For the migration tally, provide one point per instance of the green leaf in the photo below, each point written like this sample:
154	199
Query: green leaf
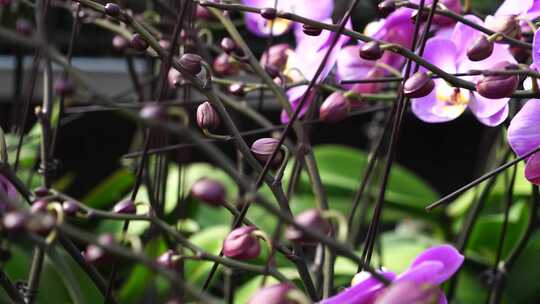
110	190
484	239
210	240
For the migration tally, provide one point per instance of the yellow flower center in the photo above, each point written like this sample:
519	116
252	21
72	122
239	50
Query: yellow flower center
277	26
453	100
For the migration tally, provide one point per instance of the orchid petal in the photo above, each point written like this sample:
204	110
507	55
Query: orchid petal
495	119
532	169
447	255
524	129
430	109
361	293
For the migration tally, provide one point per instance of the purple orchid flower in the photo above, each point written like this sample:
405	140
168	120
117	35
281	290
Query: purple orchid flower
351	66
396	28
524	137
453	5
302	64
317	10
430	269
527	9
445	102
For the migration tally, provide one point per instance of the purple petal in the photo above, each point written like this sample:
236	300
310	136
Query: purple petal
463	35
447	255
432	110
532	169
524	129
423	273
496	119
351	66
260	26
483	107
361	293
536	50
295	97
317	10
514	7
409	292
442	53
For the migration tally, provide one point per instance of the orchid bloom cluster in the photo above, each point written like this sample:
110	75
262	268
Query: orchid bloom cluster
455	47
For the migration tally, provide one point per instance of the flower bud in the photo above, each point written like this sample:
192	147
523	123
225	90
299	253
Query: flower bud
191	63
371	51
23	27
165	44
276	55
207	117
120	43
175	78
41	191
70	208
228	45
418	85
168	260
387	7
335	108
263	148
96	255
225	65
9	191
272	70
241	244
237	89
154	111
126	206
14	221
480	49
504	24
408	292
521	54
498	86
41	224
112	9
209	191
275	294
203	13
311	30
268	13
64	87
39	206
138	43
312	220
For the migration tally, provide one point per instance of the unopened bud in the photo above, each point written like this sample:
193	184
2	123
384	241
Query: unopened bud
225	65
168	260
228	45
138	43
418	85
237	89
498	86
241	244
126	206
39	206
268	13
276	55
70	208
14	221
120	43
371	51
335	108
154	111
311	30
209	191
207	117
112	9
263	148
480	49
191	63
312	220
